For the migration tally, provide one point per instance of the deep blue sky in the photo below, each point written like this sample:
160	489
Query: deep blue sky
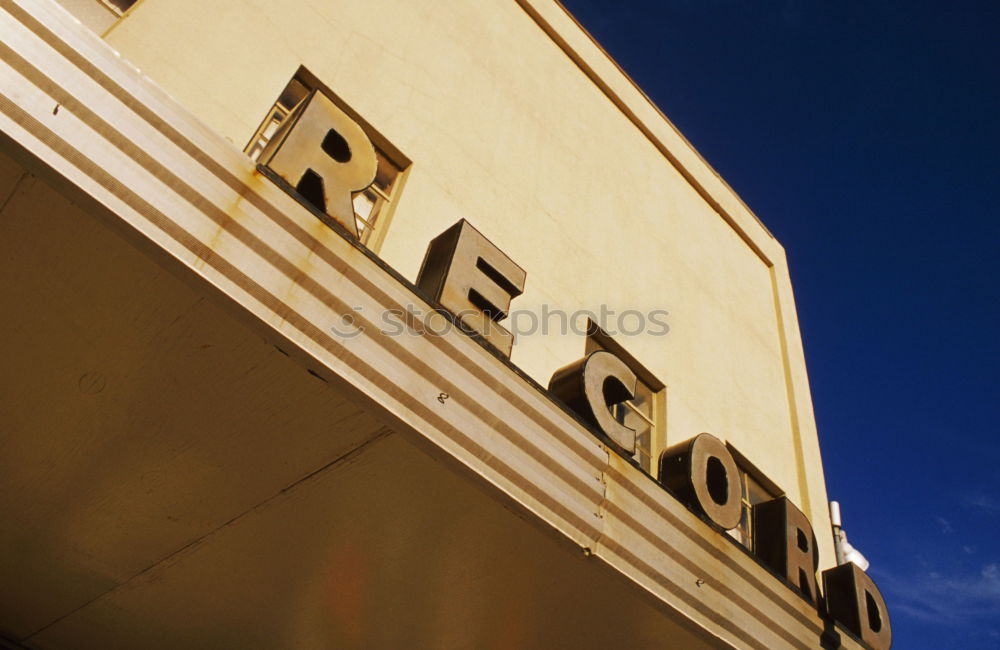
865	135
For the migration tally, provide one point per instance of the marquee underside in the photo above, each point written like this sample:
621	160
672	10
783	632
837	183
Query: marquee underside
173	479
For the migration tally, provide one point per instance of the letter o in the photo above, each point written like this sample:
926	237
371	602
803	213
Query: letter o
704	475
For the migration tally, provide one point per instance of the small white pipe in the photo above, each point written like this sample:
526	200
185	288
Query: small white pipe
838	535
835	514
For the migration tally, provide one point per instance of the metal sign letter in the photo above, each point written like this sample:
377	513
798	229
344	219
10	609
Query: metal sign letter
593	384
703	474
783	539
474	280
321	152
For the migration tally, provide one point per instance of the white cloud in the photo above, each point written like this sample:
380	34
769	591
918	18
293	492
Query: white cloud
946	597
987	504
944	524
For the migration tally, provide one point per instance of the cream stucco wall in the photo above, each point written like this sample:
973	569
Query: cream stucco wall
508	131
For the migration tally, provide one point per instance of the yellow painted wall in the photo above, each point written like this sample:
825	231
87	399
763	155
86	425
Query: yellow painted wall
506	131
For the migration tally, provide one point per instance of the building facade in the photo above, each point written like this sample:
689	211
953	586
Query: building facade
244	410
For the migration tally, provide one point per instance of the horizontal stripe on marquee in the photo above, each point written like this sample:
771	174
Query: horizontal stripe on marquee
659	510
625	555
627	516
